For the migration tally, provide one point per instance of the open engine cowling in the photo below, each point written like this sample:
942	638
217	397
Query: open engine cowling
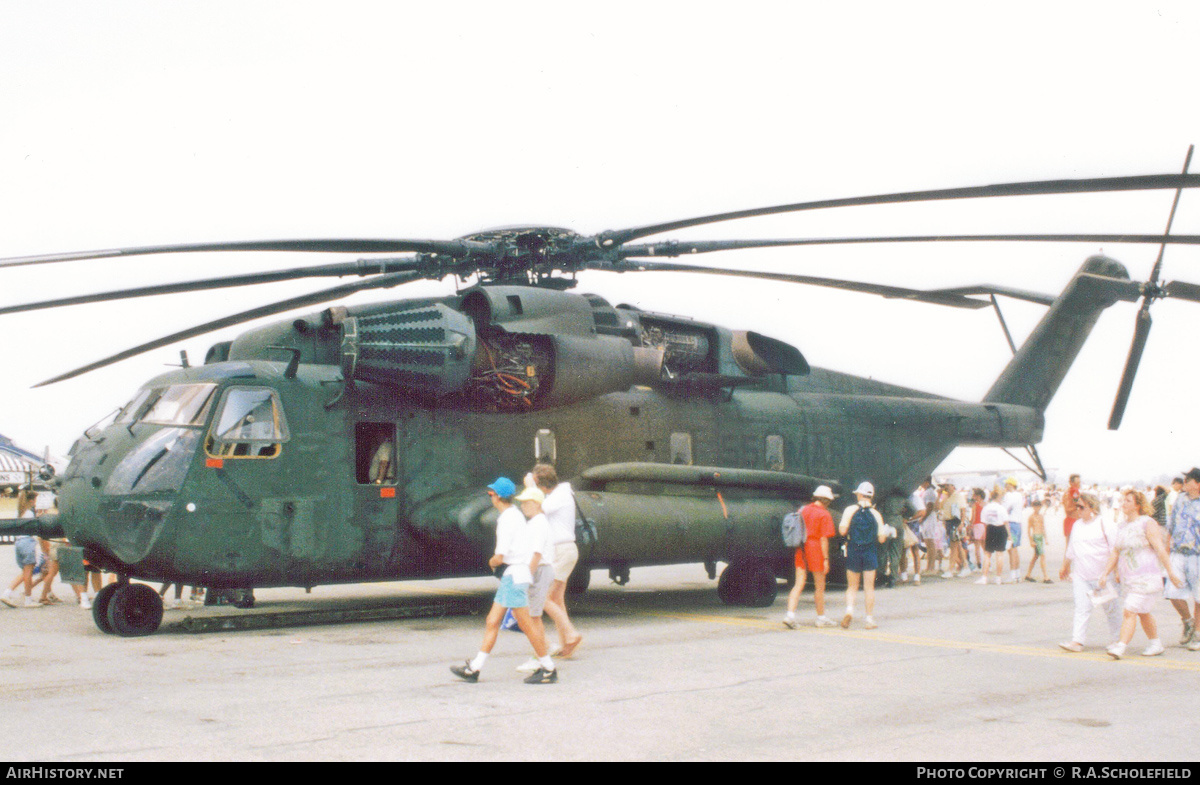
428	348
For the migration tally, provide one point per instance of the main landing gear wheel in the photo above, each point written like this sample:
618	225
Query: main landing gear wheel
100	607
750	584
134	610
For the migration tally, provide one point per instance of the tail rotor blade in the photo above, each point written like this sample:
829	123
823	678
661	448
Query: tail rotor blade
1182	290
1140	333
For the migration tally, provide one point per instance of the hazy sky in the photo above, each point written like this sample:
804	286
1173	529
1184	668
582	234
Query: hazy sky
129	123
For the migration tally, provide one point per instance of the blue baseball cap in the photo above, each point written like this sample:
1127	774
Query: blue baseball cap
504	488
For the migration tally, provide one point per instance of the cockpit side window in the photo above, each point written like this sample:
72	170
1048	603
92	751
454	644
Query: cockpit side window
249	424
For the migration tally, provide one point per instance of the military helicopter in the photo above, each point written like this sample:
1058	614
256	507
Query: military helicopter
353	444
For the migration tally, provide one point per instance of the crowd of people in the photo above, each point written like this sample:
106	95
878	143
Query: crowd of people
1148	545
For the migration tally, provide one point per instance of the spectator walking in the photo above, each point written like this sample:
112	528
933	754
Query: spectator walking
1139	557
537	530
978	528
813	556
26	551
1092	540
1070	505
1183	531
1037	541
922	506
1014	505
559	508
863	527
995	522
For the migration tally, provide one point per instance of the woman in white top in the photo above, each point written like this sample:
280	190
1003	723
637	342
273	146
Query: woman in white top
1139	557
1092	540
995	520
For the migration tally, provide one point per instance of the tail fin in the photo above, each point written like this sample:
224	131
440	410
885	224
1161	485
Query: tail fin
1037	370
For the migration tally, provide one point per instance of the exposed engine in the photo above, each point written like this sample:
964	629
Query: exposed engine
509	372
514	349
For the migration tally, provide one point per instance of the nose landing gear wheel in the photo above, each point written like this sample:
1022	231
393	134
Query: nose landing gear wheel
134	610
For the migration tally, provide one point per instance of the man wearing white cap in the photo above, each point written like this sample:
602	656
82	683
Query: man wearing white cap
813	555
863	528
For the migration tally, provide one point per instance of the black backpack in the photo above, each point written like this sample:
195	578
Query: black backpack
864	529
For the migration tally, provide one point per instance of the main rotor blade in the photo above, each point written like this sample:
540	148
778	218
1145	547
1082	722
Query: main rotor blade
1141	332
362	267
325	295
613	238
455	248
891	292
673	248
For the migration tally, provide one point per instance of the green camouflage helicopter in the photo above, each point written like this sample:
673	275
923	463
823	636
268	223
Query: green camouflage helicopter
353	444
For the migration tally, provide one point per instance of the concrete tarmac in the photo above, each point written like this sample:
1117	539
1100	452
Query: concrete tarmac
955	672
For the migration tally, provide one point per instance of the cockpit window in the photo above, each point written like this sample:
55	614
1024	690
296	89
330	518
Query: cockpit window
135	408
249	424
181	404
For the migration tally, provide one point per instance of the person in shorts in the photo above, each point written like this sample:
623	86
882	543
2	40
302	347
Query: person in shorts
1014	505
863	527
995	539
559	507
537	530
25	548
1037	540
1183	532
514	551
813	555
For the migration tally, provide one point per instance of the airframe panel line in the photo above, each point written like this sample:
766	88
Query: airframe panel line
996	648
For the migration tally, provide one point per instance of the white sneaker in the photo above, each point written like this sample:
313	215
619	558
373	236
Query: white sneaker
917	579
529	666
947	574
1154	649
904	577
997	580
965	572
30	602
85	603
9	599
982	581
1116	650
825	621
871	623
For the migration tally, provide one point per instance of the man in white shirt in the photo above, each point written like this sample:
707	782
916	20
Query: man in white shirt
514	549
1014	503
